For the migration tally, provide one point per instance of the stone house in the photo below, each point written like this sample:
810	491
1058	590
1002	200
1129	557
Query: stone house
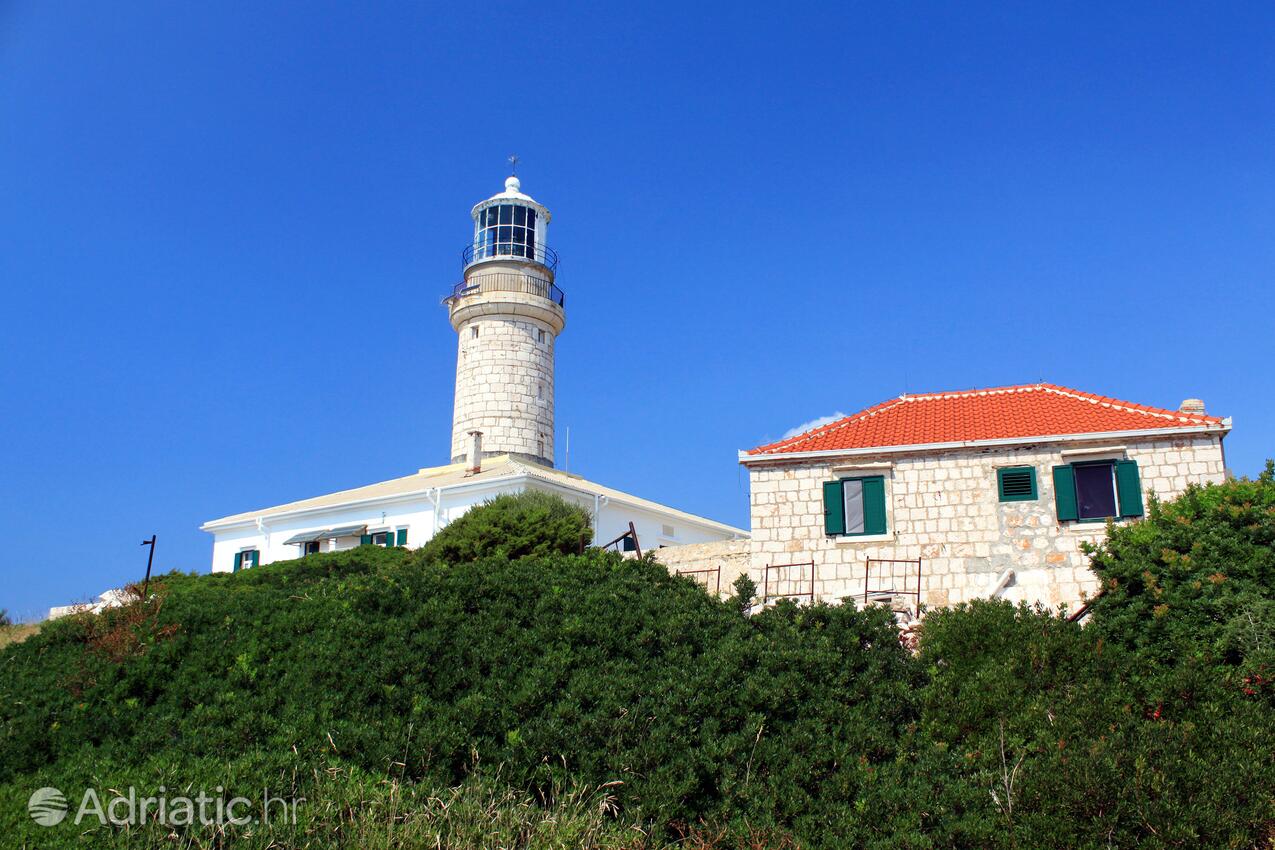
941	498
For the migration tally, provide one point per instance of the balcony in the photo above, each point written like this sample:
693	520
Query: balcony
498	282
541	254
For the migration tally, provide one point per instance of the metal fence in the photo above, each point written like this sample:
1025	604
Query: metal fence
780	579
542	254
509	282
712	577
894	578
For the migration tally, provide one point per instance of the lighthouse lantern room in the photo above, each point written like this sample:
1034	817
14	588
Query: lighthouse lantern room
507	313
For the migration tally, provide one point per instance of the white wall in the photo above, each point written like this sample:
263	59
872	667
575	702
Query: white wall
417	515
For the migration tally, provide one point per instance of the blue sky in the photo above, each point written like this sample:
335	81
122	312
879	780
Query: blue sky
225	229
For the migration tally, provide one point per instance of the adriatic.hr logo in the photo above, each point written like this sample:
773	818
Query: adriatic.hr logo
47	807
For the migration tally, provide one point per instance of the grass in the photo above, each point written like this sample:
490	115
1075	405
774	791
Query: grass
17	633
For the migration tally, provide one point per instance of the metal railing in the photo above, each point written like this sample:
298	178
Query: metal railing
509	282
894	579
780	579
711	576
542	254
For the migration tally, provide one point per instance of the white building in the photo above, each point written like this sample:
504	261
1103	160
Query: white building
507	313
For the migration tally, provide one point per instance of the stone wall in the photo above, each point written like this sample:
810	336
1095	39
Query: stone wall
715	565
504	387
944	509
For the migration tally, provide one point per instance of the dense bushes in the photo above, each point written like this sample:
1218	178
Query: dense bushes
574	670
511	526
1195	581
575	698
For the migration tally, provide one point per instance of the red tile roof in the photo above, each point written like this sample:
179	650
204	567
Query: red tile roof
1033	410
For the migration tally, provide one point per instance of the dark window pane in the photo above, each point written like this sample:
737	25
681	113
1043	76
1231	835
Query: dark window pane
531	218
1095	491
520	215
506	214
506	234
491	216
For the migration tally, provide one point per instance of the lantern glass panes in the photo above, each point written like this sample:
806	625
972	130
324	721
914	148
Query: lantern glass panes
506	230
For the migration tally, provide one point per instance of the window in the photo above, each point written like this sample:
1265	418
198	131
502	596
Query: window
473	332
668	530
247	559
506	230
540	336
1097	490
1016	483
311	548
400	537
377	538
854	506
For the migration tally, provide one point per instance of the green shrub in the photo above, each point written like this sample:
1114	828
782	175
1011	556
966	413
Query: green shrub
1194	579
577	670
500	691
530	524
1035	732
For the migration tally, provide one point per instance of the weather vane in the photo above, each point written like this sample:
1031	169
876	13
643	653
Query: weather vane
513	163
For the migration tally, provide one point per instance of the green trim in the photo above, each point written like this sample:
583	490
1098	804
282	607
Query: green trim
873	505
1128	489
365	539
874	512
1065	494
400	537
834	508
1016	484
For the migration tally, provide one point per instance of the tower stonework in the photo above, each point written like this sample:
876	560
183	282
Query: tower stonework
507	313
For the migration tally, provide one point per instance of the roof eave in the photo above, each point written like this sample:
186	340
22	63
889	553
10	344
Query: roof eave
748	459
521	473
237	520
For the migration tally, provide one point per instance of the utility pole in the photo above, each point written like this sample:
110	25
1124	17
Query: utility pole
150	559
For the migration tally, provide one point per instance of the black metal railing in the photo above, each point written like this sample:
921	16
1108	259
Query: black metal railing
509	282
542	254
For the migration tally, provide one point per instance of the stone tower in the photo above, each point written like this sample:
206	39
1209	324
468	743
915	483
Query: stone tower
508	313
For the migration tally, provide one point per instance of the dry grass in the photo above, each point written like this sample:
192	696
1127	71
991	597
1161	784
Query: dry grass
348	809
17	633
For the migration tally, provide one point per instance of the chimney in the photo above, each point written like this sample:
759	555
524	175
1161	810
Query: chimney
1192	406
475	452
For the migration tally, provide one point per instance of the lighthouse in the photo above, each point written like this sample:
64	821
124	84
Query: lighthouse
507	312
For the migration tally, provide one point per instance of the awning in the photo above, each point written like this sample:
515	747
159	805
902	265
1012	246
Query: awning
345	531
306	537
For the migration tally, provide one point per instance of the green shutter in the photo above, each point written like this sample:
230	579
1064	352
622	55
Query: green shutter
1016	483
365	539
874	505
834	508
1065	493
238	561
401	538
256	557
1128	488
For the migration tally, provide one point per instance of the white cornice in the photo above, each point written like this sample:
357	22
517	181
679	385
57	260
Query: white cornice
522	475
748	459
